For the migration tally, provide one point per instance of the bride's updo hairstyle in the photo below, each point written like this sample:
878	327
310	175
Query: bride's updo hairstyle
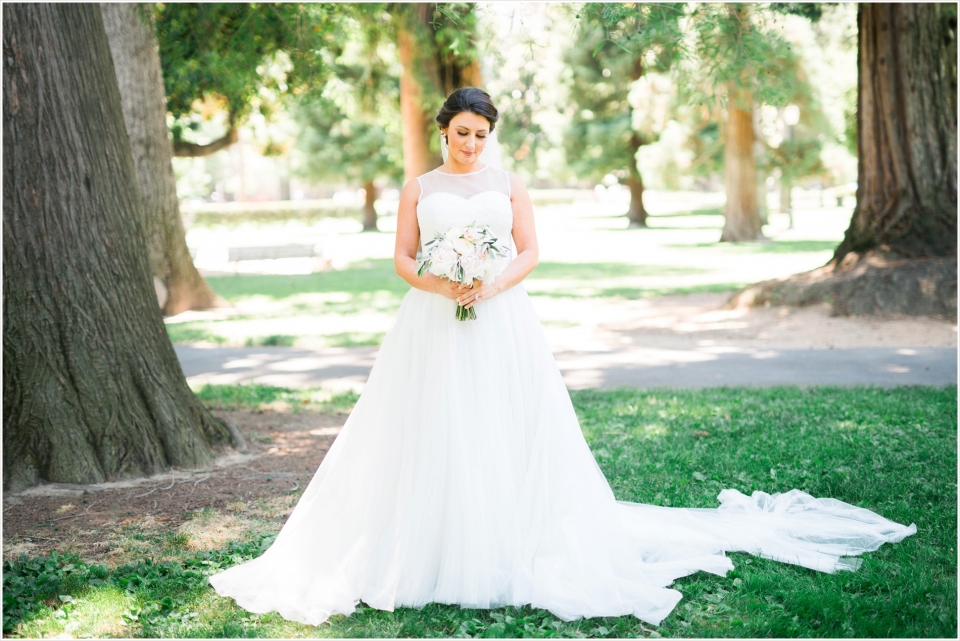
468	99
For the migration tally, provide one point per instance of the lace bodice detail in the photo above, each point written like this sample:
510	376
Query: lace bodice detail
454	200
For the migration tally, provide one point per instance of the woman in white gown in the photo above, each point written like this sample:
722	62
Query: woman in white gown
462	475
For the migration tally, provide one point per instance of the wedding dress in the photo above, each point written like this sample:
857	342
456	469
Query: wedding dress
462	477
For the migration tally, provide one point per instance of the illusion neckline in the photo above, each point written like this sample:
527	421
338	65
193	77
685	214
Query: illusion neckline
469	173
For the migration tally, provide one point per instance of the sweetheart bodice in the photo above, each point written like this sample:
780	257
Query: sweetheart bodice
456	200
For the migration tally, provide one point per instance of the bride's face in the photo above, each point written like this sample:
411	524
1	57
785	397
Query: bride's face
466	136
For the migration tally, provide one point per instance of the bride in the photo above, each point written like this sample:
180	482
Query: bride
462	475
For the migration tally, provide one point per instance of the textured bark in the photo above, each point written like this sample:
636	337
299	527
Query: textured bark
92	389
136	59
369	211
741	215
906	133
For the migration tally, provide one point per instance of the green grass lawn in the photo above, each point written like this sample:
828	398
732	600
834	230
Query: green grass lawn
587	255
890	450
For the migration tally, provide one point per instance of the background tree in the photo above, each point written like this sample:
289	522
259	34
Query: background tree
436	44
906	132
728	51
745	61
899	254
136	60
92	389
214	52
792	146
351	128
617	43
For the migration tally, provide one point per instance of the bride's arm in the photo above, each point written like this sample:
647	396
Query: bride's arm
525	239
408	241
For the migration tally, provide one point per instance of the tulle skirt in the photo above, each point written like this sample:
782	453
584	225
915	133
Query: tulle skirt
462	477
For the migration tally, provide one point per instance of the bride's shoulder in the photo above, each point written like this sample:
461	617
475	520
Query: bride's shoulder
516	183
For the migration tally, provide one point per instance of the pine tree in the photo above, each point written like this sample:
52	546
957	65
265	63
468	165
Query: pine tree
351	127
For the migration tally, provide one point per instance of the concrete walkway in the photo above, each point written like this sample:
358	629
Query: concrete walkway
634	366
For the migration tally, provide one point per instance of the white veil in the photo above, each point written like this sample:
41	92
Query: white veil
491	152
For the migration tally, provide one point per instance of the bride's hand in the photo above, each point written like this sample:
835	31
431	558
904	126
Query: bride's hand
480	291
450	288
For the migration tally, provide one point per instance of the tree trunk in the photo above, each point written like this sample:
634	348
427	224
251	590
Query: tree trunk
369	211
92	389
906	133
417	123
636	214
136	59
422	60
742	217
785	189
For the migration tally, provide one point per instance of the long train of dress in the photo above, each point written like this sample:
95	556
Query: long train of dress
462	477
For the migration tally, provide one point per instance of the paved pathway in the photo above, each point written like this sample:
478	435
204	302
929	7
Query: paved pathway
642	367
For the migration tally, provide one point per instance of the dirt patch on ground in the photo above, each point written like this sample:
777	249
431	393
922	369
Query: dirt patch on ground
243	492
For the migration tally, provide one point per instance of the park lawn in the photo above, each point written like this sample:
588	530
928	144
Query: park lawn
585	258
889	450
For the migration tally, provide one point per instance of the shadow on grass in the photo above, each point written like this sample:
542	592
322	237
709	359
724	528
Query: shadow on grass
900	461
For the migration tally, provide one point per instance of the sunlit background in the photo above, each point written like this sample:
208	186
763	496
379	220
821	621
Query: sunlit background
266	190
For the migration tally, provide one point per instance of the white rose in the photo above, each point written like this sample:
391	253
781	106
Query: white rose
463	247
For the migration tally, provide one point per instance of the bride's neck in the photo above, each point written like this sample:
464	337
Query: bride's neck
460	168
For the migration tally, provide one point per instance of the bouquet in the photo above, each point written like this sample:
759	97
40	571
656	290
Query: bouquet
464	254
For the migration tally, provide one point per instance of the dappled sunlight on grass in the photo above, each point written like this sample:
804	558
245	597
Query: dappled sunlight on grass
92	612
889	450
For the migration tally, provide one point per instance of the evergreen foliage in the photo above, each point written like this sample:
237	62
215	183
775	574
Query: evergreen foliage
350	127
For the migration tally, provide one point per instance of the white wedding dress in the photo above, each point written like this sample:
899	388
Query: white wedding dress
462	477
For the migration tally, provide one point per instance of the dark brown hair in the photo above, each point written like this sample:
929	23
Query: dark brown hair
469	99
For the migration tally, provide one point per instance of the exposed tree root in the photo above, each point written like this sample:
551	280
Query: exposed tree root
875	284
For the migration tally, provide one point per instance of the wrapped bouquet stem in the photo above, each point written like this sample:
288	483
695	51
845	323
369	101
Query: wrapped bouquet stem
464	254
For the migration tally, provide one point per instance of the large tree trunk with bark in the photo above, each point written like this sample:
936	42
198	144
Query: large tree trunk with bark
906	134
899	255
741	214
92	389
136	59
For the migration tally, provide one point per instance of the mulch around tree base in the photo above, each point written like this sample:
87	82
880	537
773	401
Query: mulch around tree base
284	450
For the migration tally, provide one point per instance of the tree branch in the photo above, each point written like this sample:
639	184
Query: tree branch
184	149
